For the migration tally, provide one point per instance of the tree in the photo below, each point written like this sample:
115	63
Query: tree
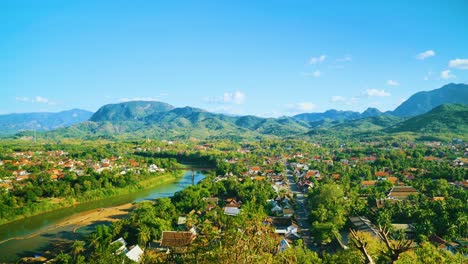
327	207
78	247
144	235
394	248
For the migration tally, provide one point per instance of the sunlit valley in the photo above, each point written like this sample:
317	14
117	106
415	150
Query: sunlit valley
242	132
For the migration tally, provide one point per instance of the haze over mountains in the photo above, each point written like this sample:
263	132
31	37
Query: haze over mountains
13	123
161	120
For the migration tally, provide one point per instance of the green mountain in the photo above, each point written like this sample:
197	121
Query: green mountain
447	118
330	114
370	112
140	119
13	123
129	111
159	120
352	127
423	102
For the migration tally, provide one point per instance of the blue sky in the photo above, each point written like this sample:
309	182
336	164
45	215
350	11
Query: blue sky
268	58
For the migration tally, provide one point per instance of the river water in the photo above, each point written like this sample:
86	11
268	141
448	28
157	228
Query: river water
12	250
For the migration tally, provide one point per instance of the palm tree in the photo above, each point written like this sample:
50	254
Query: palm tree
78	247
144	234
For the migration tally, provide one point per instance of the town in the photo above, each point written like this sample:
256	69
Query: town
314	198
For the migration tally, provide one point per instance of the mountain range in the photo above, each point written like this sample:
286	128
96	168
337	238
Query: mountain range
14	123
140	119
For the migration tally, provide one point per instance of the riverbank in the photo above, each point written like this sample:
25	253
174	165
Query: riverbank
54	204
54	232
110	214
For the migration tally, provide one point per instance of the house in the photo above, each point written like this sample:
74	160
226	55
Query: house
438	198
123	245
381	174
401	192
232	211
408	229
380	203
176	239
368	183
392	179
336	176
370	159
363	224
312	173
212	202
283	245
135	253
276	208
288	212
283	226
182	220
254	170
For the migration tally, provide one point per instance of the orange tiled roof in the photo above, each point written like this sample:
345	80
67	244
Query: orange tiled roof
368	183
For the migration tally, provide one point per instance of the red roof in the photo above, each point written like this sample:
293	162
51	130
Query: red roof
368	183
381	174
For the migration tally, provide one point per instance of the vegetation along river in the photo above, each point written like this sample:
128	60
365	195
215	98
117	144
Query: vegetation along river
33	235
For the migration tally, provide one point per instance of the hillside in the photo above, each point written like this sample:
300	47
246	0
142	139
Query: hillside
14	123
129	111
159	120
447	118
350	128
140	119
423	102
329	114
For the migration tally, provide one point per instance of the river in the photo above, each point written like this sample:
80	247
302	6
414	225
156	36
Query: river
44	224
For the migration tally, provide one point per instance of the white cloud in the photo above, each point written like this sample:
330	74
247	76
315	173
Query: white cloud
426	54
392	83
427	76
459	64
336	67
315	60
376	93
315	74
274	114
299	107
447	75
227	109
337	98
143	98
227	98
37	99
345	58
236	97
23	99
125	99
40	99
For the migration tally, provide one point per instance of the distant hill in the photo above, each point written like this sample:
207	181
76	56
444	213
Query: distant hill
423	102
129	111
335	115
330	114
141	119
370	112
447	118
14	123
352	127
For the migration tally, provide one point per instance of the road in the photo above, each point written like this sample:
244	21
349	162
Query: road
301	214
